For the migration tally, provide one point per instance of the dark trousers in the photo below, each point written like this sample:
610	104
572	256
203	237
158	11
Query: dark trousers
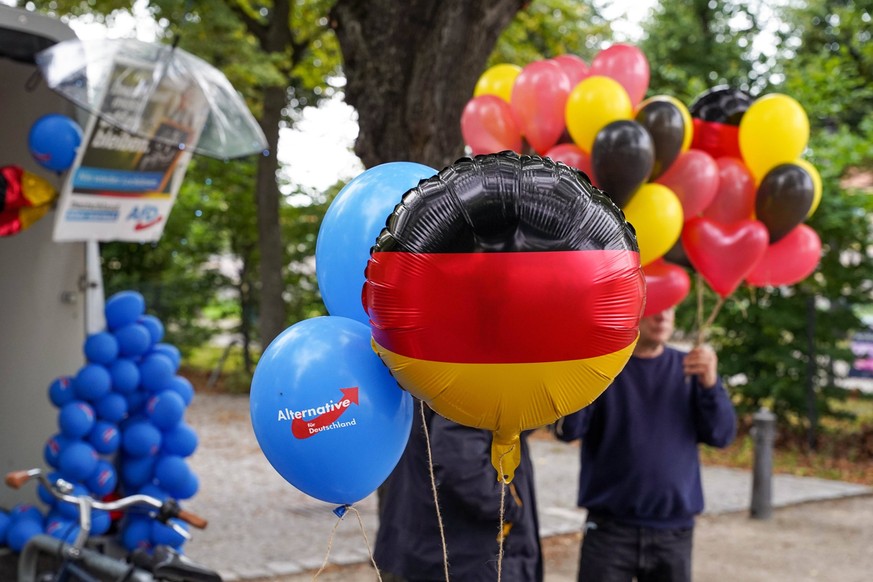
613	552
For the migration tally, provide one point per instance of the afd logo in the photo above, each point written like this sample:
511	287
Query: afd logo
145	216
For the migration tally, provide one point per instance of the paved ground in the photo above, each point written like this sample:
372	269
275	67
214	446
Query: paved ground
263	528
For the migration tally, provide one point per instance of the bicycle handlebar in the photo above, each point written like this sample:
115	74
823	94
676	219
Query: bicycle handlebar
60	489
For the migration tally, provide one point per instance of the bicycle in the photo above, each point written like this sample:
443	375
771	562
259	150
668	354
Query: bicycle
80	563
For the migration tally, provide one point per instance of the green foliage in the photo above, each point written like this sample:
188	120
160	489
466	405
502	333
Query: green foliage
692	46
548	28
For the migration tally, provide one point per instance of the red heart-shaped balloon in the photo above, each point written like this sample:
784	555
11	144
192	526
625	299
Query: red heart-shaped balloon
724	254
666	285
789	260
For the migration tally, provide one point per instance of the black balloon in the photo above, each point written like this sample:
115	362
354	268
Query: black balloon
622	158
666	126
502	203
721	104
783	199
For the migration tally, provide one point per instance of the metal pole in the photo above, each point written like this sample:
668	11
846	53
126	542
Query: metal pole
763	433
811	411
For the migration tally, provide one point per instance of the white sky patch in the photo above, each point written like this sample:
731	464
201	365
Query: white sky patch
317	151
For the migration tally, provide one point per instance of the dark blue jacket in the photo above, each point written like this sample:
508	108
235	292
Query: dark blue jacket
640	463
408	542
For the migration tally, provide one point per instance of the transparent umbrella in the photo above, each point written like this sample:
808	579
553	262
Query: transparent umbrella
155	91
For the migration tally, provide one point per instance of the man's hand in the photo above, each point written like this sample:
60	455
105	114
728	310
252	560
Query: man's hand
703	363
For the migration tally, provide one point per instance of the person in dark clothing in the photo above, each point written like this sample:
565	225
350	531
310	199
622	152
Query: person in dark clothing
640	473
408	543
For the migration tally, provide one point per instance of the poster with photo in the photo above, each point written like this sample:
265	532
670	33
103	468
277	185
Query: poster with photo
122	185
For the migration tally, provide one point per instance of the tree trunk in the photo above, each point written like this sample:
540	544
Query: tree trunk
410	69
271	320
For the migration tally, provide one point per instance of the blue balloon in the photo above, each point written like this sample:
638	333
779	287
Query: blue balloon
136	472
92	382
183	387
141	439
62	528
165	409
5	520
133	339
104	479
20	532
76	419
350	227
181	440
326	412
125	375
53	448
154	325
61	391
171	473
170	351
112	407
156	371
105	437
124	308
101	348
53	141
78	461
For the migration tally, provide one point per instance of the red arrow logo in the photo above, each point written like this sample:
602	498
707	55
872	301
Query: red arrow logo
145	225
303	429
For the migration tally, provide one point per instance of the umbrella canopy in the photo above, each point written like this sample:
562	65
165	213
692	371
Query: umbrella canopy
155	91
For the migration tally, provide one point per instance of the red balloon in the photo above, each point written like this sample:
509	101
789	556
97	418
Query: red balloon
790	260
626	64
717	139
724	254
666	285
539	96
575	68
735	198
488	126
574	156
694	179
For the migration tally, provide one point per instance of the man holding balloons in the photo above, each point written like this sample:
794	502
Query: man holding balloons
640	475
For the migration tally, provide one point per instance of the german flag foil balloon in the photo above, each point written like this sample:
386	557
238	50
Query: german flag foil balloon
505	292
24	199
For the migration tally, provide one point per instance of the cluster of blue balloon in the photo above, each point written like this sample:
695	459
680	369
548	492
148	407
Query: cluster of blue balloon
54	140
326	411
121	429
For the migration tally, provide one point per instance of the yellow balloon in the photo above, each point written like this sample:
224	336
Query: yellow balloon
30	214
774	130
497	80
36	189
656	214
816	184
593	104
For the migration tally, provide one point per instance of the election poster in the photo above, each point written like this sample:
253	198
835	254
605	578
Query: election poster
123	185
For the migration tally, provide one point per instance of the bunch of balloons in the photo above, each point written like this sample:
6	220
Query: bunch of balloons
121	429
326	412
724	179
24	199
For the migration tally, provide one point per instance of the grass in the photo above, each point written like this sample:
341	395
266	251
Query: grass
844	446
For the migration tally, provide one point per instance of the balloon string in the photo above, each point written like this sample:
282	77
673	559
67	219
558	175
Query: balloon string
500	534
436	502
703	326
366	541
329	546
363	533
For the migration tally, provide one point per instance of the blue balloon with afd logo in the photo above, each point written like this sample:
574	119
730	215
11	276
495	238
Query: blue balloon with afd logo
53	141
327	414
350	227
